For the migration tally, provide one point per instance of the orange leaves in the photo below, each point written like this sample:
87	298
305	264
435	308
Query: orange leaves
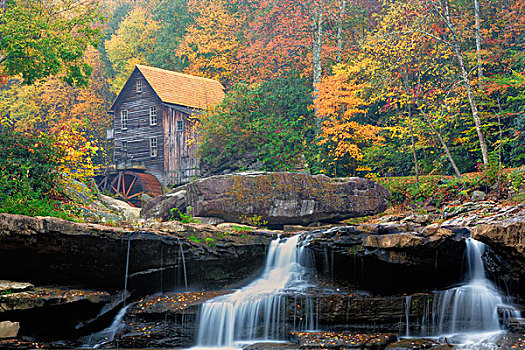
279	40
339	101
338	95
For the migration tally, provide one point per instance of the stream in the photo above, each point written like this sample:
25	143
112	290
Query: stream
470	315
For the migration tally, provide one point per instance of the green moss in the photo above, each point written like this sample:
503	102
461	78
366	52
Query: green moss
241	228
260	191
194	239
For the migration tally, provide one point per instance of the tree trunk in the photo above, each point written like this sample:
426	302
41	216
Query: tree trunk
416	164
443	144
339	38
500	156
443	10
473	106
478	43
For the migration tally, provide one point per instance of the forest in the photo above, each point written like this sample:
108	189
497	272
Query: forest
375	88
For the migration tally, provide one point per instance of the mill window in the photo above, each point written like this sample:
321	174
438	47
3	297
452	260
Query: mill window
124	119
153	115
139	85
153	146
180	125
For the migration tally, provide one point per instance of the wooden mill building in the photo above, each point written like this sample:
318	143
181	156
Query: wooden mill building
154	121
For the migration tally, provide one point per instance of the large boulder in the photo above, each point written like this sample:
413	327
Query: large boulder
166	206
280	198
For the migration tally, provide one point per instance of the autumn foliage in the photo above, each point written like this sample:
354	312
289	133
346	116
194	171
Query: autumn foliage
339	103
341	87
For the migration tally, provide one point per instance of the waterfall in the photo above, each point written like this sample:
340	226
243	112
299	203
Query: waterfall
107	335
408	299
472	307
468	315
183	267
127	270
256	312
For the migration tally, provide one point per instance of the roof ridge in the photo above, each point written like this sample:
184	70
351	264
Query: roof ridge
139	66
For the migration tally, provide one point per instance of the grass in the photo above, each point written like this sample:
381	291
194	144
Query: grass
436	190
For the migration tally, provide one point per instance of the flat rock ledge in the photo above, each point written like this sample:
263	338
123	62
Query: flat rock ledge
506	237
171	320
383	258
48	312
9	329
169	255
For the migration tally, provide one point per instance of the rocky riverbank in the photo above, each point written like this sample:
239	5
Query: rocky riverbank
163	256
364	273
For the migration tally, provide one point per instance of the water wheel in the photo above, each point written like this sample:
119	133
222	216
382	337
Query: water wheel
130	185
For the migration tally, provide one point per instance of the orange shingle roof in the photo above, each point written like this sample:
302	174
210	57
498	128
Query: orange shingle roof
183	89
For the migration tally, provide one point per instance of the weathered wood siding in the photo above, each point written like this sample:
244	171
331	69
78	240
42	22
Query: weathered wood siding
139	131
180	159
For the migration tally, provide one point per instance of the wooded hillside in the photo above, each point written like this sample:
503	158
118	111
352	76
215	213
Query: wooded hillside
341	87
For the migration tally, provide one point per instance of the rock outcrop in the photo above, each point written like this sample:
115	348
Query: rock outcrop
506	238
164	321
44	250
170	320
384	258
50	312
342	340
275	198
9	329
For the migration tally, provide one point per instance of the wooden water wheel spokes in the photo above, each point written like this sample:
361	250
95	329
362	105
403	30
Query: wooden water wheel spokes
127	185
130	185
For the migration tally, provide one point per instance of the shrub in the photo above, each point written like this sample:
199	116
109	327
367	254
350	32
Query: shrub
29	183
268	123
28	158
431	190
177	215
255	220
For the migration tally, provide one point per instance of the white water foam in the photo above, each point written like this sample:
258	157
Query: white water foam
469	315
255	312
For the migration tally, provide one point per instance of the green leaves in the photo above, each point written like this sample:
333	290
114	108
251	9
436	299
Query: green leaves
44	38
264	123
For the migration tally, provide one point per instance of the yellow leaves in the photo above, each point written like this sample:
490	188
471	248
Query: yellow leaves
47	106
339	102
132	44
72	141
397	131
211	45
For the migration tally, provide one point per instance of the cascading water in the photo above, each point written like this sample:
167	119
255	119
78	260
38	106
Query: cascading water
471	312
255	312
107	335
183	267
127	271
472	307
